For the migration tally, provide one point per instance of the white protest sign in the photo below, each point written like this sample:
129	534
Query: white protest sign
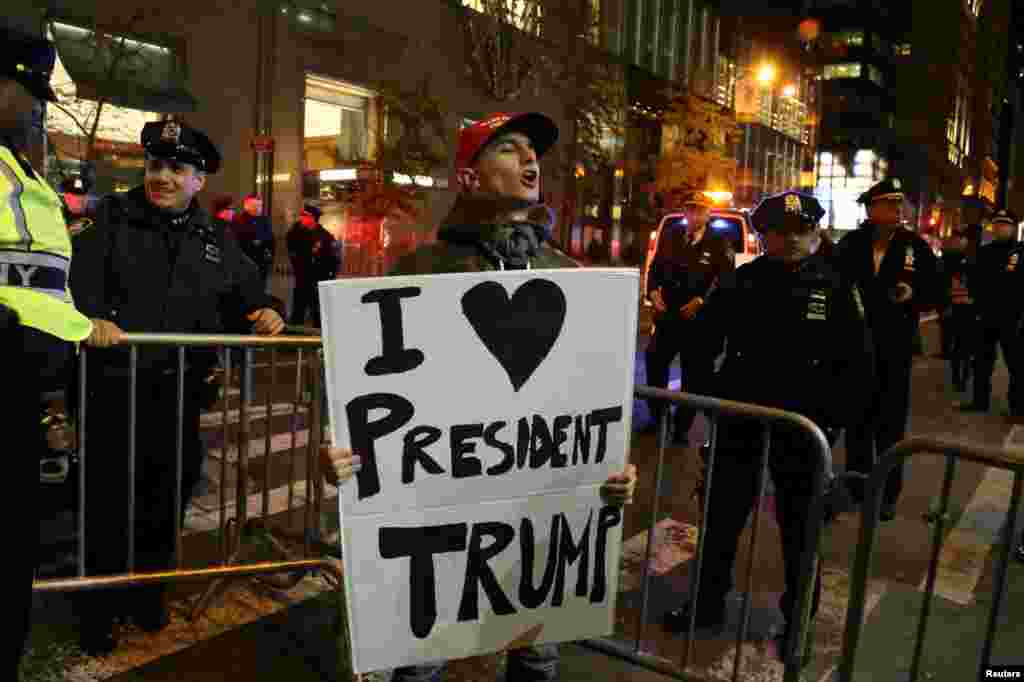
488	409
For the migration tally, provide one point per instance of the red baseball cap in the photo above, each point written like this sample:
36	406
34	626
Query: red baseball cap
541	130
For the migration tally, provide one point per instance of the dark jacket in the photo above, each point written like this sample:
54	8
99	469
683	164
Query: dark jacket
683	270
796	339
145	274
957	270
908	259
256	237
312	253
998	282
473	238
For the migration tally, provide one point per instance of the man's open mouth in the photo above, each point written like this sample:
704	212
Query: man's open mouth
530	178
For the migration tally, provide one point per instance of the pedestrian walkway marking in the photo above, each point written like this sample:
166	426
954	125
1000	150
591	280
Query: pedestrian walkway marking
965	550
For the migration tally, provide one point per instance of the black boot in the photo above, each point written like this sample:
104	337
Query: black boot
96	636
150	609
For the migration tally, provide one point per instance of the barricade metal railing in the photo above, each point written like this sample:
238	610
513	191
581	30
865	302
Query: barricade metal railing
232	531
1007	458
819	461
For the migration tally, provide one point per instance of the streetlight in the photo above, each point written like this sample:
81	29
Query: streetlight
789	91
766	74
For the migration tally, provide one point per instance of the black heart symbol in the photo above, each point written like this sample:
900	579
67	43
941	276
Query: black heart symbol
521	331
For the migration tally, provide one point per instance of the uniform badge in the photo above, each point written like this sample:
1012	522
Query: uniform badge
908	259
793	204
1011	266
211	253
171	132
817	305
705	258
896	183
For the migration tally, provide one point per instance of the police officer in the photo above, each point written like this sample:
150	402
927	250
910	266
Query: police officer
311	249
958	266
153	262
37	316
897	273
687	267
796	339
995	288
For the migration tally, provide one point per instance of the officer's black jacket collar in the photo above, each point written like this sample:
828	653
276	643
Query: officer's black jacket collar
137	208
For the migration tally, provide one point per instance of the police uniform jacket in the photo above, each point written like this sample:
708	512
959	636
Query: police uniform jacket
957	275
908	259
138	269
997	286
690	269
796	339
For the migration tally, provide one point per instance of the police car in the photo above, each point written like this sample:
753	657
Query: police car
732	224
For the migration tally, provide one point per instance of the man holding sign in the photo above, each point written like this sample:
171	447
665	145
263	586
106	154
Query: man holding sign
496	224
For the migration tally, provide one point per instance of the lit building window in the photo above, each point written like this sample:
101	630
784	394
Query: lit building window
875	75
338	123
855	38
902	50
838	189
958	126
974	7
523	14
834	71
725	82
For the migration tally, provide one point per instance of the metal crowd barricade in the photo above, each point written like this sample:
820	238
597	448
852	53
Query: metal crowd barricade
235	530
1010	459
821	459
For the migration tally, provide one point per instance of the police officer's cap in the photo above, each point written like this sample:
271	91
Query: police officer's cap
28	60
174	140
888	189
1004	216
787	211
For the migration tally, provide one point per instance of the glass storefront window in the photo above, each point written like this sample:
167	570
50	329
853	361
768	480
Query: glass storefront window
848	70
340	124
523	14
119	158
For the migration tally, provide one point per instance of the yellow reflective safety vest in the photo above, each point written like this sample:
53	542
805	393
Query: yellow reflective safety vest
35	252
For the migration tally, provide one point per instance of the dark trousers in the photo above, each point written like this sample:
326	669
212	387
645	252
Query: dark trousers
885	422
1006	334
34	361
962	332
732	496
945	332
689	341
107	485
306	298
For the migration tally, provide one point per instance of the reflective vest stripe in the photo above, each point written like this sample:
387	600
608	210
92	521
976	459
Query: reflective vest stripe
17	188
38	258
